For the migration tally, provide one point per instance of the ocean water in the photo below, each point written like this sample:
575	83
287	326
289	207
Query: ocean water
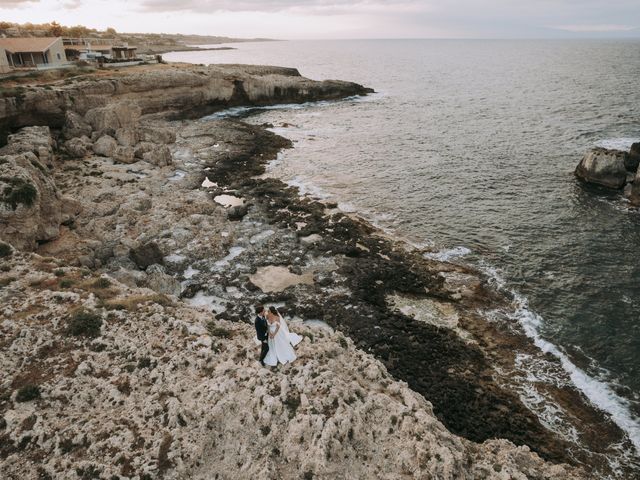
469	147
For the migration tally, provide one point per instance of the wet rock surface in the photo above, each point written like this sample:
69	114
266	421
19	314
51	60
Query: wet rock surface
604	167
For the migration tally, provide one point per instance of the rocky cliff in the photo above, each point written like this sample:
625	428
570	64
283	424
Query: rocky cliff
170	90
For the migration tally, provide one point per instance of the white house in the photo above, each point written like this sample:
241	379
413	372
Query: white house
33	52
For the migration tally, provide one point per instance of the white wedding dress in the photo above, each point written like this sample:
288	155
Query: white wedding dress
280	349
294	338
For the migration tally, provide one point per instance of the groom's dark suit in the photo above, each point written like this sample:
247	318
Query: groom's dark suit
262	332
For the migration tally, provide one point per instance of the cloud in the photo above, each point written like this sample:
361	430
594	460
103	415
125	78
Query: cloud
16	3
292	6
598	28
72	4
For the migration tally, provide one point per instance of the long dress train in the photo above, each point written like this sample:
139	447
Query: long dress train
294	338
280	349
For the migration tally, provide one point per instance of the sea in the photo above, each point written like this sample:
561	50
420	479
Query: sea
467	150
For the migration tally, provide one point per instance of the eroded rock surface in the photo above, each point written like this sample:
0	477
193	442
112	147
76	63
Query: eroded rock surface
604	167
31	207
145	386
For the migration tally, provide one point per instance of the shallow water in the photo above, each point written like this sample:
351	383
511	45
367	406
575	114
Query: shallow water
470	146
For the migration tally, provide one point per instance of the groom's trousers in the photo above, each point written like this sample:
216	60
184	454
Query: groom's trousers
263	351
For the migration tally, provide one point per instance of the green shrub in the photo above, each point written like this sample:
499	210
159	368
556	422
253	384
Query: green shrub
101	283
219	332
66	283
84	323
18	191
5	250
28	393
59	272
144	362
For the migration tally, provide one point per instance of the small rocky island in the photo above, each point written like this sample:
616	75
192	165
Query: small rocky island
613	169
137	236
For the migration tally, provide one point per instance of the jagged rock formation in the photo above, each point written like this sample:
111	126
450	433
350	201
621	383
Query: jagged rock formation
31	207
104	380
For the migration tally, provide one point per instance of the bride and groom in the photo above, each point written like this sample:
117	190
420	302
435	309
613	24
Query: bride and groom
276	340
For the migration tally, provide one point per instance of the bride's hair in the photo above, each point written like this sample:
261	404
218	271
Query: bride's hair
273	310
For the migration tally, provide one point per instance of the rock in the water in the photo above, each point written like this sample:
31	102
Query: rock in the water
634	196
105	146
603	167
633	159
146	255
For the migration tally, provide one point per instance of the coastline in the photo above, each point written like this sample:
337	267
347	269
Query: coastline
361	279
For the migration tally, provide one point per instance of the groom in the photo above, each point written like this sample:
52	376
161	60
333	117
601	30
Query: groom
262	332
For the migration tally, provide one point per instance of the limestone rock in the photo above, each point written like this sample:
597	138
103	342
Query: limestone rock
31	207
75	126
127	136
603	167
160	156
146	255
113	116
159	281
124	155
78	147
142	148
36	140
157	134
105	146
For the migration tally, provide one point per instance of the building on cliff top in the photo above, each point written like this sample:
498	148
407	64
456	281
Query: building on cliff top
95	48
32	52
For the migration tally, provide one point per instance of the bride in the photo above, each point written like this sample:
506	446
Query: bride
294	338
280	343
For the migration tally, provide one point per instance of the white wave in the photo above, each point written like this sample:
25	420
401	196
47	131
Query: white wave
307	188
621	143
598	392
240	111
448	254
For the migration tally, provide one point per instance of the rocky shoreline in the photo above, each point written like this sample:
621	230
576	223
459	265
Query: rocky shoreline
129	190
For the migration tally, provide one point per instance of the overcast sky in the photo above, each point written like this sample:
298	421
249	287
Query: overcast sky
292	19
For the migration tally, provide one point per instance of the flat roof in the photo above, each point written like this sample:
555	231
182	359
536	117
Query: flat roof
27	44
